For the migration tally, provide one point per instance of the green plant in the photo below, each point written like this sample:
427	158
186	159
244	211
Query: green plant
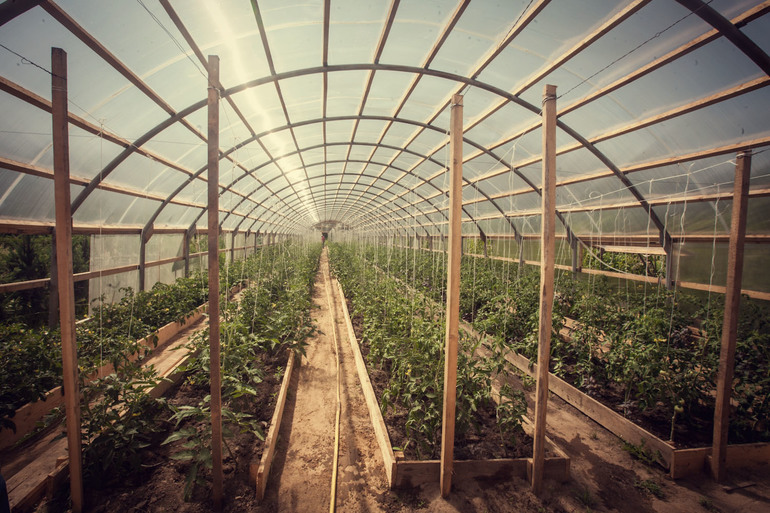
707	504
511	407
193	427
650	486
642	453
585	497
118	418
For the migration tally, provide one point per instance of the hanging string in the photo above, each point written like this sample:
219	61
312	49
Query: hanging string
637	47
713	254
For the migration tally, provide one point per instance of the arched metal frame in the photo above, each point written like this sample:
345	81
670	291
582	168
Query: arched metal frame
373	67
722	25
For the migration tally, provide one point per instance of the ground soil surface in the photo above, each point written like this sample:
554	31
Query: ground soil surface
604	478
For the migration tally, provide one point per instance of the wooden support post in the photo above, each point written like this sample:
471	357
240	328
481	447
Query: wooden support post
547	262
143	238
732	310
213	239
574	245
453	293
232	246
484	243
521	251
186	253
669	249
66	284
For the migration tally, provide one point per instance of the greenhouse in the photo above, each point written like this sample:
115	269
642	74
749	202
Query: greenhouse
385	255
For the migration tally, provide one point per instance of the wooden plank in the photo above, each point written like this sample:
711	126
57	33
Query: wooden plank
603	415
416	473
453	293
547	263
213	246
641	250
731	314
686	462
66	284
28	415
375	414
271	440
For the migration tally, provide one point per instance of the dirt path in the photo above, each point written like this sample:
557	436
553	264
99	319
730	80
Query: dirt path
302	472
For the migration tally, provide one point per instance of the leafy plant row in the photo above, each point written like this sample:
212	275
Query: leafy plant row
403	334
633	342
271	317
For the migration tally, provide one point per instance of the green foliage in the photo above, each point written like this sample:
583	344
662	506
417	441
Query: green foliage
28	257
118	419
651	487
31	367
405	335
511	407
271	318
642	453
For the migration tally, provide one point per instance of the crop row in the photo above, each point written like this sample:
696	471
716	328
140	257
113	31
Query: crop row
403	334
635	347
271	317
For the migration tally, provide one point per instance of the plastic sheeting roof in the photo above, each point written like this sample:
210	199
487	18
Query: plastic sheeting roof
335	113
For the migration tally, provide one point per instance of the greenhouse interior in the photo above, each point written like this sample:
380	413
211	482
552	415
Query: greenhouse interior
385	255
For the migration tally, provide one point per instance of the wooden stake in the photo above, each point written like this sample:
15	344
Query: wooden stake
732	310
213	254
453	293
186	253
66	284
547	262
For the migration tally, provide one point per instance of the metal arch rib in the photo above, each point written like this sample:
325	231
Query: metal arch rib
427	200
423	180
256	137
733	34
390	218
350	67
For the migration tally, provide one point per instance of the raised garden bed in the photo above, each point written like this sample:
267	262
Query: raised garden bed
678	462
402	472
27	417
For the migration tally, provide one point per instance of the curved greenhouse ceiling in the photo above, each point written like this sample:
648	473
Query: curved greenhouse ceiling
335	113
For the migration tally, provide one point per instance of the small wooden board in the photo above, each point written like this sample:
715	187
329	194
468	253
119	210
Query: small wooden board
271	440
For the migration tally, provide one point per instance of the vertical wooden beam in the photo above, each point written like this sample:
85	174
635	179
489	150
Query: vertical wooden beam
66	285
732	310
574	245
232	246
483	237
453	293
669	249
213	239
547	262
186	253
142	260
